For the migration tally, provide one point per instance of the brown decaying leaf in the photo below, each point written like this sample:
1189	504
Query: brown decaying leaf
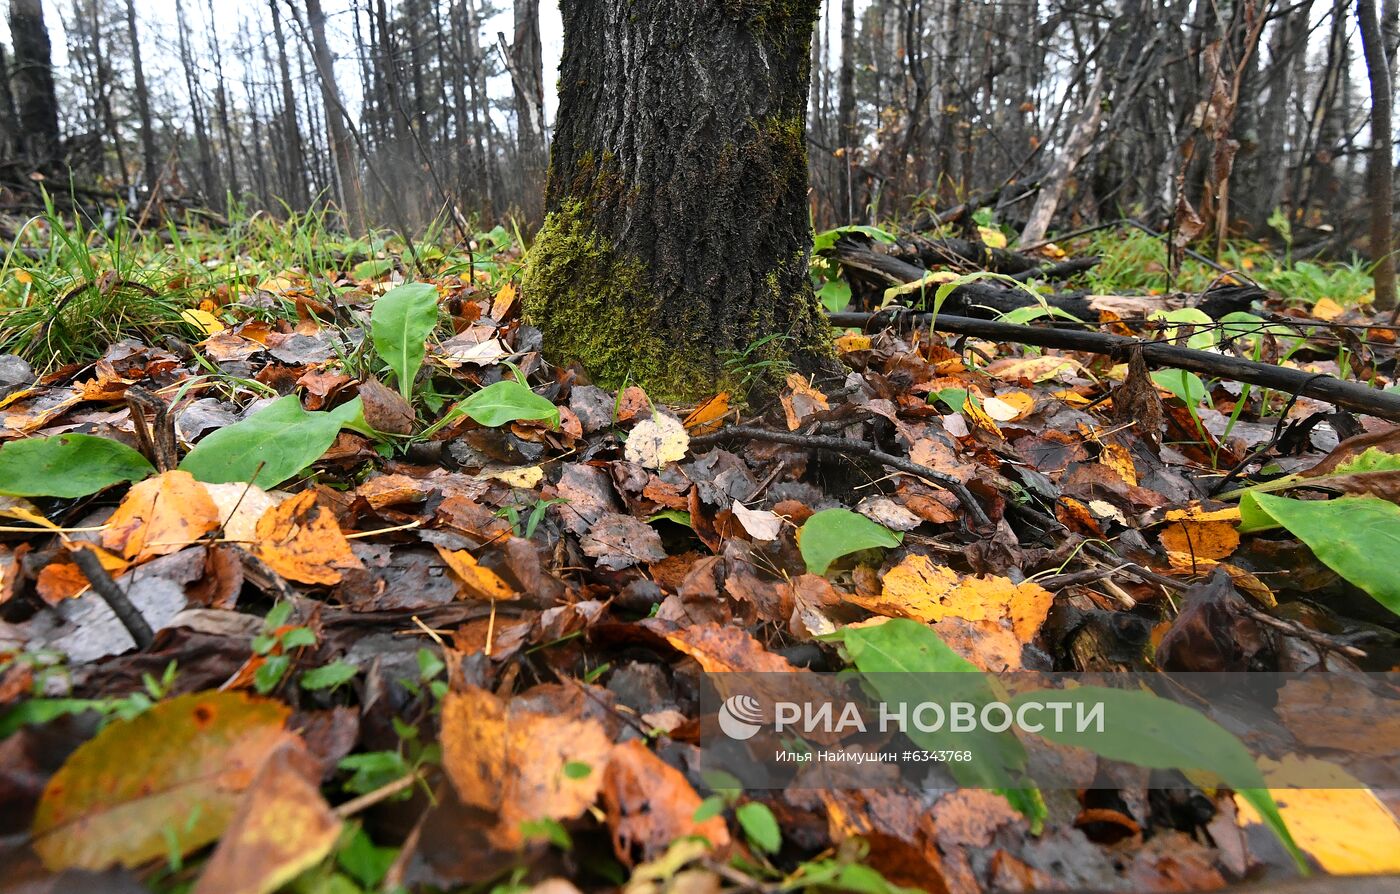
385	409
513	761
282	828
160	515
182	765
1137	403
621	541
302	541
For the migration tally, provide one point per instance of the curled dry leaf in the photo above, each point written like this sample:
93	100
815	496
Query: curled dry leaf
302	542
385	409
649	804
761	524
708	416
657	442
160	515
283	827
181	765
520	764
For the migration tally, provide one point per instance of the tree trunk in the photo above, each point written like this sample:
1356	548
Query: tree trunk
846	110
33	82
678	229
1077	145
150	163
9	115
347	174
1381	171
291	130
208	184
527	78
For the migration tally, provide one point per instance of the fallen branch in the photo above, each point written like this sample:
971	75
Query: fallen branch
1058	270
103	585
1348	395
966	297
847	446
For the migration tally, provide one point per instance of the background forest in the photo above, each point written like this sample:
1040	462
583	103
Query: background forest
448	105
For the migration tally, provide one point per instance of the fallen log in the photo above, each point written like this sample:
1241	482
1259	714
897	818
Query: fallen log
1058	270
962	251
988	298
1348	395
966	298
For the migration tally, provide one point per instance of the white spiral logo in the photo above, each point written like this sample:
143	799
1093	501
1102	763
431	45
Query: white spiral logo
741	717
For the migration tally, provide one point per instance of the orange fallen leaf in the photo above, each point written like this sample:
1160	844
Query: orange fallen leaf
476	580
180	766
61	580
282	828
720	648
650	804
853	341
504	302
1120	459
160	515
1198	545
518	763
302	542
800	401
979	416
1347	829
708	416
1012	406
1327	310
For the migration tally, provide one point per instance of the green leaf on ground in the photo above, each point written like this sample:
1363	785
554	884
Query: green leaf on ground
71	465
268	447
760	826
1185	386
835	295
507	401
400	324
894	655
1350	535
833	533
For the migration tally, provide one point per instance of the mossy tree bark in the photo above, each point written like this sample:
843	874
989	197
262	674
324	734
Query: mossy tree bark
677	232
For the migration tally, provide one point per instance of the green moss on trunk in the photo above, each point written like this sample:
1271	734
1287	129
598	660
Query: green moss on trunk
594	306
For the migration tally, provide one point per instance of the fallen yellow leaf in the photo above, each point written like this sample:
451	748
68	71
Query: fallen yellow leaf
922	591
477	581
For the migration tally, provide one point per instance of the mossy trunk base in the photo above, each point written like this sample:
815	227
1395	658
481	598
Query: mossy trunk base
677	233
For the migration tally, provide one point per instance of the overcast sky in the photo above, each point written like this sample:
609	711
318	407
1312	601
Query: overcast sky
156	23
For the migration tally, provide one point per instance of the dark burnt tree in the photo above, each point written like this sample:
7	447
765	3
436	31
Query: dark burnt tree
677	227
33	85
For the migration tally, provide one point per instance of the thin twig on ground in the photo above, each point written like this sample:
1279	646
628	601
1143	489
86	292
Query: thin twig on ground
859	448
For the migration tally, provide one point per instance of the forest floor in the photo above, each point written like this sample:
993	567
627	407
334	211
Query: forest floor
456	632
